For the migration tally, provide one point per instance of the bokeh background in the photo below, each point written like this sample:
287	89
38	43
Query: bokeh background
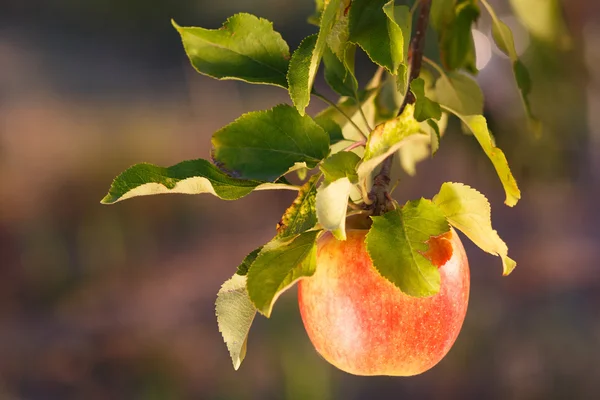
117	302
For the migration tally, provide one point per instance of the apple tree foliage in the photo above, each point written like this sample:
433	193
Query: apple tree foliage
403	110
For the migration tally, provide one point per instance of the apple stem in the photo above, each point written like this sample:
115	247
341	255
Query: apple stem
381	200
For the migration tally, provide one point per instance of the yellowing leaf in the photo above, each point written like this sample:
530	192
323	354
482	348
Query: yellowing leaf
300	215
469	211
386	139
478	125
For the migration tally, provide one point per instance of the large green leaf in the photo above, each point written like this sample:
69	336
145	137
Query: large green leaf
396	243
187	177
278	266
301	214
460	93
478	125
453	20
386	139
266	144
244	48
469	211
235	313
306	59
379	35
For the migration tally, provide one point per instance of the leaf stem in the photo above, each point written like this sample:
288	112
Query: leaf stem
362	113
379	195
355	145
332	104
435	66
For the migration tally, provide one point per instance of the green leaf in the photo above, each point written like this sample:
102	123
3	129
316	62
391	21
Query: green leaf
399	27
187	177
245	48
332	205
306	59
267	144
278	266
337	39
478	125
377	34
386	139
331	127
243	268
235	313
301	214
453	20
424	107
469	211
340	165
504	40
544	20
299	75
338	76
396	243
460	93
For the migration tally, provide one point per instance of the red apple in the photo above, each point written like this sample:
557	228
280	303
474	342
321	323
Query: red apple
363	324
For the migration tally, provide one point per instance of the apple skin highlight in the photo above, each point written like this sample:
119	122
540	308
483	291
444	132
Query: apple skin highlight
364	325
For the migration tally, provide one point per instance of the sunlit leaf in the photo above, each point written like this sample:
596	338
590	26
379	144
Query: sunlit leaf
478	125
469	211
386	139
235	313
332	205
245	48
187	177
306	59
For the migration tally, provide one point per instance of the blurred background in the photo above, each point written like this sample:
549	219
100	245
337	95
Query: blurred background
117	302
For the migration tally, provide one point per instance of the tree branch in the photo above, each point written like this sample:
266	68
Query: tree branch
379	193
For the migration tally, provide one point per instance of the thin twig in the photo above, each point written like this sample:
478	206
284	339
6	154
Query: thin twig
332	104
379	192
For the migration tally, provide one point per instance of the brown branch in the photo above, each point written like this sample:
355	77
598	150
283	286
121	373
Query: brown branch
379	193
